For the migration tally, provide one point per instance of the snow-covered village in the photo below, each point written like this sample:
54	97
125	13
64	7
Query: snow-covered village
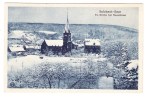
72	56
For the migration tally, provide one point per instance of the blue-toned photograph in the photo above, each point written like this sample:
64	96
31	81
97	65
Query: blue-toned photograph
73	48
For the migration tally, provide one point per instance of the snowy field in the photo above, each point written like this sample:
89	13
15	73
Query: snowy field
29	61
19	63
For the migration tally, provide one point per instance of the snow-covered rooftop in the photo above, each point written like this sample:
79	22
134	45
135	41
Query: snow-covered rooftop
32	47
16	48
74	43
91	42
54	42
80	45
133	64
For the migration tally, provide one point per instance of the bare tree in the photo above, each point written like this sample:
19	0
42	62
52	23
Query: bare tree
46	71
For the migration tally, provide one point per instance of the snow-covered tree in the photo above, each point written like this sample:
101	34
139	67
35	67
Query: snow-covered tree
129	78
117	52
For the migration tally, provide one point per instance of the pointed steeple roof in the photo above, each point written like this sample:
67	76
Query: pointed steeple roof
67	25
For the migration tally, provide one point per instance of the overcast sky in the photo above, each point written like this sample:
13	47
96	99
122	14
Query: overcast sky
76	16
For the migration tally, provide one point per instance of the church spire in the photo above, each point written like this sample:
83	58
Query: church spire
67	25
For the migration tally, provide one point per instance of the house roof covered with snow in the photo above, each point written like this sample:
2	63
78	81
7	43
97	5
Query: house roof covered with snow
32	47
92	42
16	48
54	42
133	64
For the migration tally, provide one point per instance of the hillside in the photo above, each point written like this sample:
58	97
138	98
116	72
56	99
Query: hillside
79	31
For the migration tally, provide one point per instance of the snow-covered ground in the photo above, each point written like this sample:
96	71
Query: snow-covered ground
20	63
105	82
29	61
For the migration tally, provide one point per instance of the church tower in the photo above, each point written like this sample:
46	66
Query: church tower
67	44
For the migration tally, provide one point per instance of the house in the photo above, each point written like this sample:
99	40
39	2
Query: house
74	45
16	49
92	46
80	43
63	46
32	48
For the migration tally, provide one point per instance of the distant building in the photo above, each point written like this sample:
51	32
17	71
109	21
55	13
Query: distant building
32	48
80	43
92	46
65	45
16	49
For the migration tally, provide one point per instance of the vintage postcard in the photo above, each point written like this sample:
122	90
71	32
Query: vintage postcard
89	47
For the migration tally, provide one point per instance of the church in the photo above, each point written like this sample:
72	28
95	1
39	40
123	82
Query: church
59	46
